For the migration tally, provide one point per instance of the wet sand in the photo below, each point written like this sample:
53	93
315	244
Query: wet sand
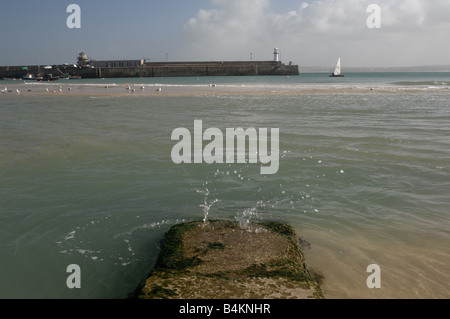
119	90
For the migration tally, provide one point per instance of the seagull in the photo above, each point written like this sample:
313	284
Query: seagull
46	89
17	91
142	87
159	90
69	88
3	91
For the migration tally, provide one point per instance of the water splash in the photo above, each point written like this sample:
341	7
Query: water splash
244	218
206	206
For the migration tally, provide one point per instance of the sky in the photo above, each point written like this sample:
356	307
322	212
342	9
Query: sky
308	33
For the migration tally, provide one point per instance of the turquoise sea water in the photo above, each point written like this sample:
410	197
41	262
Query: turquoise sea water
364	178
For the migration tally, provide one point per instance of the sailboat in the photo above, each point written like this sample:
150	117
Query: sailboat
337	71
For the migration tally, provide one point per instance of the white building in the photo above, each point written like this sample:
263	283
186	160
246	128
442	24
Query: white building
276	55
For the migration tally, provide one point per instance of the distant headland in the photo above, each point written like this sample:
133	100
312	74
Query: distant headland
424	68
86	68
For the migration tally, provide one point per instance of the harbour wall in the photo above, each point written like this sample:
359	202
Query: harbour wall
160	69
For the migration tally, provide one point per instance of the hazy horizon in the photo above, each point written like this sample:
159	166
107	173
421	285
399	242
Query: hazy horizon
313	33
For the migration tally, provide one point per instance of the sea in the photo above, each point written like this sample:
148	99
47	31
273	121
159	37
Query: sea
87	178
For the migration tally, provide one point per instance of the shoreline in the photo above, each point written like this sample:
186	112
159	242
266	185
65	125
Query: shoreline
148	90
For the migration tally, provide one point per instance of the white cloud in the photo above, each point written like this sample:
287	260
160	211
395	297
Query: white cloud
233	25
315	33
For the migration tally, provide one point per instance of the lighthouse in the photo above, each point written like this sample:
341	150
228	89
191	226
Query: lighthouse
276	54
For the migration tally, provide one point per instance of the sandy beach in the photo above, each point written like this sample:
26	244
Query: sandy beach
121	90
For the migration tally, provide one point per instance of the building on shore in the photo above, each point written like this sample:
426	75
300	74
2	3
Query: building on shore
117	64
87	68
83	61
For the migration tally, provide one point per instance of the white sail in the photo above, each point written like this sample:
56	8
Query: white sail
337	71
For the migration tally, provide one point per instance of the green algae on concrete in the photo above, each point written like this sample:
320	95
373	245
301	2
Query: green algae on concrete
223	260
